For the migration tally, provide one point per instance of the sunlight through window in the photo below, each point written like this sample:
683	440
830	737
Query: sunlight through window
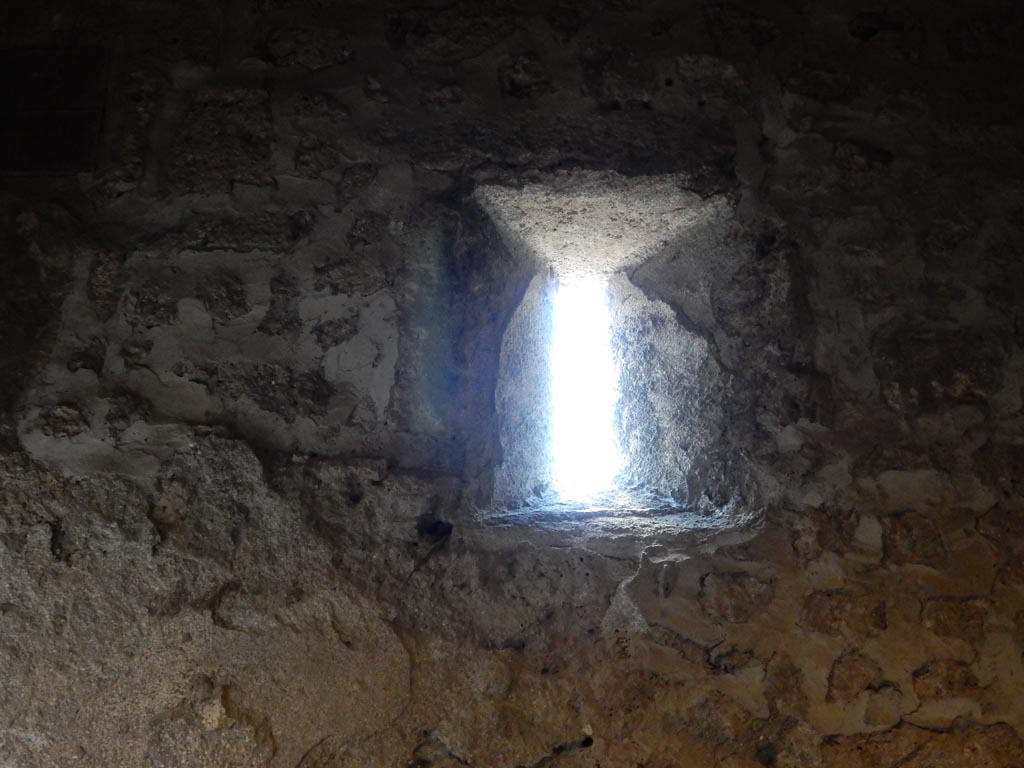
584	391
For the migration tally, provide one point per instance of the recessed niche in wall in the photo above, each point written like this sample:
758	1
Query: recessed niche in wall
606	404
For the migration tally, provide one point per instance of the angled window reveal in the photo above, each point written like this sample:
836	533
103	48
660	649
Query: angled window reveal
607	409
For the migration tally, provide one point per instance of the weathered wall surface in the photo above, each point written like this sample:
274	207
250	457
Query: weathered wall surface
247	392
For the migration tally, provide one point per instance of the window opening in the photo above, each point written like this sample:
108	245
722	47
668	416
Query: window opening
608	411
585	450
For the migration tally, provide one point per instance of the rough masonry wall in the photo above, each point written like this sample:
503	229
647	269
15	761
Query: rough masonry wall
248	369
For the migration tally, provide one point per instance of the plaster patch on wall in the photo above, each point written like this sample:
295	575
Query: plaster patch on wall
366	362
213	337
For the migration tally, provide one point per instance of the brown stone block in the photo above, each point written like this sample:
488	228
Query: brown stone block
852	673
838	612
945	678
735	597
954	617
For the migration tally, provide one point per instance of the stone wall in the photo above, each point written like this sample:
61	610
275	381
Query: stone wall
249	361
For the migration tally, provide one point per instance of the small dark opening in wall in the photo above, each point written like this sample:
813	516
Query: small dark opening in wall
51	107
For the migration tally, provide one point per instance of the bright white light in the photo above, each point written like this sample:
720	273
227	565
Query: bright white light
584	390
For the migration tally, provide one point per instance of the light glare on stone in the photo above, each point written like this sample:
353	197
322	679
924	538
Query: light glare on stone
584	390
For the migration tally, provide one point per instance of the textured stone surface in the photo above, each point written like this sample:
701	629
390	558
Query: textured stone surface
268	367
734	596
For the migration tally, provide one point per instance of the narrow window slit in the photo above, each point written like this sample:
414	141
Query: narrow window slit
585	451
